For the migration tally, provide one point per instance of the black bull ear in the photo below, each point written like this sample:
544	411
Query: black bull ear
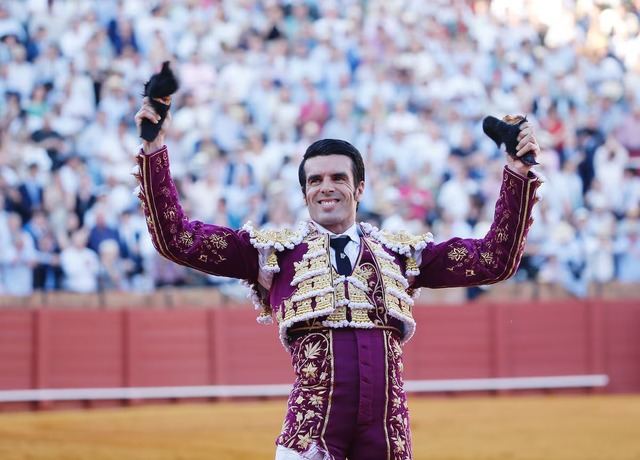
506	133
160	85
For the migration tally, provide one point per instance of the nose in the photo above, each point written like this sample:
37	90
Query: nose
327	185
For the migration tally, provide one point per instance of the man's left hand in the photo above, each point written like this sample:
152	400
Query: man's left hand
526	143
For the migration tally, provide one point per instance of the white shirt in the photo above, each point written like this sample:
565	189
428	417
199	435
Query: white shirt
352	249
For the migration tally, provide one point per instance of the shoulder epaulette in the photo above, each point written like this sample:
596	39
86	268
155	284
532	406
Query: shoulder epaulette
278	239
401	242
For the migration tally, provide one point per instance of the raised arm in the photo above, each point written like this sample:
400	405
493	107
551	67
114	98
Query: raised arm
209	248
471	262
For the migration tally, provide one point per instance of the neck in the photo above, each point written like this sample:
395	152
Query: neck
336	228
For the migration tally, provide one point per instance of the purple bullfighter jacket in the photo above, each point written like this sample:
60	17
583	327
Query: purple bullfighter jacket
321	315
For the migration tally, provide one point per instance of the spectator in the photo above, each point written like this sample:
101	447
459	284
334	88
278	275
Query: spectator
80	265
628	134
261	83
31	193
112	275
47	274
18	260
101	231
627	248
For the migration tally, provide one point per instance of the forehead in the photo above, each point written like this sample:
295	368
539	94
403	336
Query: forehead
327	165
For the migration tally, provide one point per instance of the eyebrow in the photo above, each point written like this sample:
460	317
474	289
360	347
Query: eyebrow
337	175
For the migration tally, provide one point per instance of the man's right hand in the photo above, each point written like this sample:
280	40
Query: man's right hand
147	111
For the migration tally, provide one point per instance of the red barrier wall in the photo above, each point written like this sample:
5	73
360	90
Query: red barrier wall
60	348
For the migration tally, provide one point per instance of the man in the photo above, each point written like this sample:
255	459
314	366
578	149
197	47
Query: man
340	292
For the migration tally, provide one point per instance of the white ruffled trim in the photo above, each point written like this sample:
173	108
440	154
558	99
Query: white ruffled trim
358	283
384	255
342	303
265	276
269	269
415	272
312	255
428	238
344	323
137	191
264	319
361	305
135	170
368	229
361	325
353	280
399	295
314	293
396	276
299	234
416	293
403	249
257	304
309	274
409	324
253	295
336	324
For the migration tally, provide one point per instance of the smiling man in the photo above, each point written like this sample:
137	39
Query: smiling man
341	292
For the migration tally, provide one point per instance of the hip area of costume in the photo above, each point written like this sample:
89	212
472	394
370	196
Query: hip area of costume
344	332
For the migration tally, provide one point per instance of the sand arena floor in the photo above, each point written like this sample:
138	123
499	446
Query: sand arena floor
503	428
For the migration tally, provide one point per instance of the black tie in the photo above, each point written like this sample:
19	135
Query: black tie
343	264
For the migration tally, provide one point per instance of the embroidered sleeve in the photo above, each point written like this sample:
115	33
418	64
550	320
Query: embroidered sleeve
472	262
209	248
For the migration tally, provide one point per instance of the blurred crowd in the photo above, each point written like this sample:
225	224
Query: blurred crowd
407	81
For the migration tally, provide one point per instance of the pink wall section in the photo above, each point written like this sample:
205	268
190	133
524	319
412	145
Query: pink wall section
66	348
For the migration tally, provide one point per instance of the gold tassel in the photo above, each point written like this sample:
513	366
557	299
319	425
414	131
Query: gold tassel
272	262
412	265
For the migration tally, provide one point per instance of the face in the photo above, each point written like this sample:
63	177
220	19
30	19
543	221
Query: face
331	195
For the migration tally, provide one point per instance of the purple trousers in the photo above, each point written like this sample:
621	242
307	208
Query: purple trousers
347	400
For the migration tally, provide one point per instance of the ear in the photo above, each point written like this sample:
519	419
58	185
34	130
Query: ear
357	193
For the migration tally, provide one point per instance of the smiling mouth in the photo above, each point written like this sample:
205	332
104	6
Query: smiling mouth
328	203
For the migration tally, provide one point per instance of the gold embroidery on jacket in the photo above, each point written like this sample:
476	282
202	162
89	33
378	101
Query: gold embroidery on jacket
394	285
312	278
186	239
396	413
338	316
284	237
412	265
457	254
217	241
404	239
324	302
309	401
171	213
360	317
487	258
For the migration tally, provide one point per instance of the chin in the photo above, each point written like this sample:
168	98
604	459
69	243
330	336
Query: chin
327	221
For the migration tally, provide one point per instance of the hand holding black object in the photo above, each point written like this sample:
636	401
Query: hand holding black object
506	132
160	86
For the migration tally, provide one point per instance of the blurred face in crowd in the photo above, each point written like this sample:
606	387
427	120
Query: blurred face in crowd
331	194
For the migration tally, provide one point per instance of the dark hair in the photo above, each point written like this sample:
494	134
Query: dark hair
325	147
